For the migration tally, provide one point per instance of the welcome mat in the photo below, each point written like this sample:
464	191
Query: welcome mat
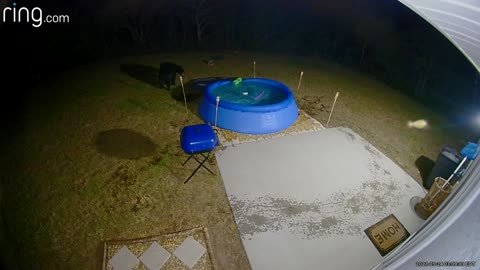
387	234
189	249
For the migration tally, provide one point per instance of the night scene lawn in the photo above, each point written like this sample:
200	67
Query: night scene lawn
72	183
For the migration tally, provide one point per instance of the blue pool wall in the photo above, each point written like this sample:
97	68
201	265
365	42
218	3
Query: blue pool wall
250	119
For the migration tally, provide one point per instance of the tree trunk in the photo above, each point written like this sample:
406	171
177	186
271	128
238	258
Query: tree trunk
420	87
136	32
184	32
364	49
199	29
172	30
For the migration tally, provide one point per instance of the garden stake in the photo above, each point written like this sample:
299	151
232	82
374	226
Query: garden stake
300	81
184	96
216	111
333	106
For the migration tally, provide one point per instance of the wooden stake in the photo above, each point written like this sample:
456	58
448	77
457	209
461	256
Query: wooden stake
184	96
216	111
254	67
300	81
333	107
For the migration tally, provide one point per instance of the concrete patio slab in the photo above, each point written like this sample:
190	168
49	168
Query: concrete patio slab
303	201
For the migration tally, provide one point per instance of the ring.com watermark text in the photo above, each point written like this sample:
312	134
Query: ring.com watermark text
34	16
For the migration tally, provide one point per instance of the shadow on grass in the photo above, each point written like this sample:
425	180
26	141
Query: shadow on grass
194	90
425	166
146	74
124	143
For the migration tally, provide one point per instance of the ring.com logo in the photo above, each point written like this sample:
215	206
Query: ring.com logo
35	15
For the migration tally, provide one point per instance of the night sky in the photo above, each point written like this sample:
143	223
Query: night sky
381	38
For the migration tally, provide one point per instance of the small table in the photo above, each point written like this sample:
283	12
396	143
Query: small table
198	140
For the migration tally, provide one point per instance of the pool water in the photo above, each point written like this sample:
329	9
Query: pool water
254	106
249	93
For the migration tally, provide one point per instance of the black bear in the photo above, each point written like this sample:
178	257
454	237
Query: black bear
167	74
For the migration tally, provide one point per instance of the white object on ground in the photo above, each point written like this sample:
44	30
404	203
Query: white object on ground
418	124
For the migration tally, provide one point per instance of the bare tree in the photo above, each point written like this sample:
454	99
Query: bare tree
270	22
202	18
373	32
138	17
424	66
136	28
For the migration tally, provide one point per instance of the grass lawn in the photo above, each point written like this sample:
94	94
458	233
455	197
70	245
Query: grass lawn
98	157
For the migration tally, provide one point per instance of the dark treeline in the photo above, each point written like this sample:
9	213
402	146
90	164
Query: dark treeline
381	38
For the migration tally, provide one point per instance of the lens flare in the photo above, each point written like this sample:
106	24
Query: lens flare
476	120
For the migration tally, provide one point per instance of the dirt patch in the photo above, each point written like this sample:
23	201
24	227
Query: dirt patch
313	105
143	73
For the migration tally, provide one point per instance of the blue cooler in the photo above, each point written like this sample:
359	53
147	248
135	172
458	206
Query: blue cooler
198	138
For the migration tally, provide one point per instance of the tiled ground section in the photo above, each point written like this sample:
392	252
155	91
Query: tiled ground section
183	250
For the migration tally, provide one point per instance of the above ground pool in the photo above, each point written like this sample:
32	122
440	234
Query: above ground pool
252	106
